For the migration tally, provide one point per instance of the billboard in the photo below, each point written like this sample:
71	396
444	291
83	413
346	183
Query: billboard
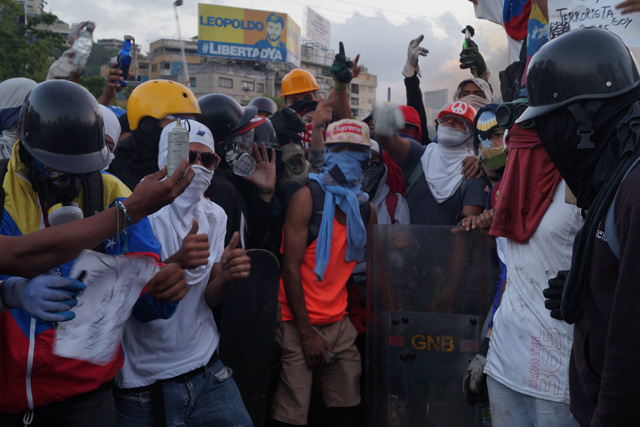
318	28
232	32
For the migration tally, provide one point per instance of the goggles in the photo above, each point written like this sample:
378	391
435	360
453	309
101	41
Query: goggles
244	142
453	121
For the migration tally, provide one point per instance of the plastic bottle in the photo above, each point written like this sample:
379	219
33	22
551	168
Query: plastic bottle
82	47
124	59
177	147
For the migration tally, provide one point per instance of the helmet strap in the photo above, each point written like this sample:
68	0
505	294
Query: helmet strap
584	113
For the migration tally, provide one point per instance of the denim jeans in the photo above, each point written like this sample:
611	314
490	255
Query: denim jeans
510	408
208	399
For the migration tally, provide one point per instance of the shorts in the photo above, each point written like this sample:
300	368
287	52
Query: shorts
340	382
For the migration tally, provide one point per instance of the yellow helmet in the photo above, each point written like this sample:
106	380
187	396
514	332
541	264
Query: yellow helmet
158	99
298	81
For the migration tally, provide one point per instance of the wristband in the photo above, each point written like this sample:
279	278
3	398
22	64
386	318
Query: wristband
123	209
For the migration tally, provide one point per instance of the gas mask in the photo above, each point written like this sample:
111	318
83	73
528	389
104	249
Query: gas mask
57	190
238	155
296	169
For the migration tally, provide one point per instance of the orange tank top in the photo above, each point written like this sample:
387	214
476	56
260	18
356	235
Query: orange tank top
326	300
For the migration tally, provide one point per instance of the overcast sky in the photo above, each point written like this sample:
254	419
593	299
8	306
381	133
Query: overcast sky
379	30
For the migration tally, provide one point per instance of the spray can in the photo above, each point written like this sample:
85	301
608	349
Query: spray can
124	59
177	147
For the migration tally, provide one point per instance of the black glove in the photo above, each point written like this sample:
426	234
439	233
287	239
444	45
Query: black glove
554	294
474	382
341	69
288	126
471	58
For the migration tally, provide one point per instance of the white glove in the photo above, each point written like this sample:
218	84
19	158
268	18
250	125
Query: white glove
413	52
389	120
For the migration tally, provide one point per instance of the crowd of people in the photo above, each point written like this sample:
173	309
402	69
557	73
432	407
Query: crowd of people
549	172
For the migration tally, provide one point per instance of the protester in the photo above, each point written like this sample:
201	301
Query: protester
44	172
150	108
244	184
437	193
589	130
316	268
162	359
37	252
266	106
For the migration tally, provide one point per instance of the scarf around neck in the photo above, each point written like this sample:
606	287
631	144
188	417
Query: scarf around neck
340	180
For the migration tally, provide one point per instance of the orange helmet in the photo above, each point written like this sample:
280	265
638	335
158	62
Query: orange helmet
459	109
298	81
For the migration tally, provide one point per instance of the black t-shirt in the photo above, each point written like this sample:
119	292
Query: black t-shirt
423	207
605	362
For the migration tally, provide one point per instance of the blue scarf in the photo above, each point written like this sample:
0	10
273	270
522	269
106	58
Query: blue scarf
340	180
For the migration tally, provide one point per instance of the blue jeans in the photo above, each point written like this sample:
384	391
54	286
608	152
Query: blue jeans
512	409
208	399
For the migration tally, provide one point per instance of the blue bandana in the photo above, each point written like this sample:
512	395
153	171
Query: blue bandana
340	180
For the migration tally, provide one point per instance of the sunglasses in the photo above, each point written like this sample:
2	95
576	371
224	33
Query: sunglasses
209	160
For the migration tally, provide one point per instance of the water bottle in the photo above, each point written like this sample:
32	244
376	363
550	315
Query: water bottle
82	47
124	59
177	147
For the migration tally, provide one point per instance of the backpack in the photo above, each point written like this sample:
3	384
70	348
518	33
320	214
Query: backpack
609	222
317	198
93	194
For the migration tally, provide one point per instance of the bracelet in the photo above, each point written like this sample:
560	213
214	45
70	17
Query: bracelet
125	235
123	209
266	191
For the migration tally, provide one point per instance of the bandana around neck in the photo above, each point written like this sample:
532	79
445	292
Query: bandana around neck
340	180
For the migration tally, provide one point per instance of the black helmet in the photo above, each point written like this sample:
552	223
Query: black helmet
267	134
265	104
590	63
61	126
223	115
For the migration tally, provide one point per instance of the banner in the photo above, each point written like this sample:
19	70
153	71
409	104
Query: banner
567	15
318	28
232	32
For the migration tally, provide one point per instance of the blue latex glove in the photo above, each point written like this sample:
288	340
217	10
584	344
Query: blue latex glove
46	297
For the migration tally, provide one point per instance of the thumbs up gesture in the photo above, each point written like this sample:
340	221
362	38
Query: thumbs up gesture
236	264
194	251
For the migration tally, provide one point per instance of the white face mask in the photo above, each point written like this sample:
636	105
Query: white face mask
451	137
195	191
111	157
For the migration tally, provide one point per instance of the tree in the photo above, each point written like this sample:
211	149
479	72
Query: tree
26	51
99	56
94	84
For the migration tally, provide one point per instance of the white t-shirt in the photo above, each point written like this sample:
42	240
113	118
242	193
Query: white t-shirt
529	350
165	348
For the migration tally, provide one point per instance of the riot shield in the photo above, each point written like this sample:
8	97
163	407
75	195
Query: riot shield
428	293
247	329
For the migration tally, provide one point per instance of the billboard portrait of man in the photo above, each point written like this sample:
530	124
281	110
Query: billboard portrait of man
274	26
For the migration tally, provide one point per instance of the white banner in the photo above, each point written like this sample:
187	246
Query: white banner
318	28
567	15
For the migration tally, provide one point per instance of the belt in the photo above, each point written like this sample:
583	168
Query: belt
186	377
